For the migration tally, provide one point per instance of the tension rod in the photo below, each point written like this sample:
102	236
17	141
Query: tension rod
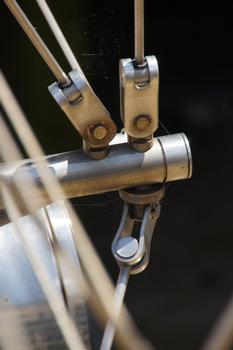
37	41
65	47
119	295
139	31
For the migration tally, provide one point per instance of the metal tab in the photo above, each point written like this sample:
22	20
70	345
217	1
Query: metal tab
139	88
137	219
85	111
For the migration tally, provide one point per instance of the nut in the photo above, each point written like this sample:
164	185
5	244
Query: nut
99	132
142	122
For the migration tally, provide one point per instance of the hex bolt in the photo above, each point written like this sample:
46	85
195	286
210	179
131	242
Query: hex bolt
142	122
99	132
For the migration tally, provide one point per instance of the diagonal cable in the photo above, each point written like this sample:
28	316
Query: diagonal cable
37	41
65	47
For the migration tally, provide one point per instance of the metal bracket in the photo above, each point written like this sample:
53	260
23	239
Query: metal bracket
85	111
140	214
139	86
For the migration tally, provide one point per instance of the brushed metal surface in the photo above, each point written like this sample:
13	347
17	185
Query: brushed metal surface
20	291
169	159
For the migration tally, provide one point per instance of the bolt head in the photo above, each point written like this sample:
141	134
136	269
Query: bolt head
142	122
100	132
127	247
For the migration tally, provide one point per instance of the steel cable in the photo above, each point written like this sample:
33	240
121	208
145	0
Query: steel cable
118	299
65	47
139	31
37	41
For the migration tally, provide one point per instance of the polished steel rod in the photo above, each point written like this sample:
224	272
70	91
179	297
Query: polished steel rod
139	31
118	299
37	41
55	28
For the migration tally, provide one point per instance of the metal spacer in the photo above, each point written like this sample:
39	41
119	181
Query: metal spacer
143	194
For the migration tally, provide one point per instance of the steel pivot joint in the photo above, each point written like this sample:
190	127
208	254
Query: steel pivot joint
140	214
86	112
139	86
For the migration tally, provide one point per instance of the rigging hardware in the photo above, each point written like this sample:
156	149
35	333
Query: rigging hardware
72	92
86	113
139	100
139	88
155	161
141	212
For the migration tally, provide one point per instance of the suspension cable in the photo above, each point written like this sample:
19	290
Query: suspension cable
139	31
59	35
37	41
118	299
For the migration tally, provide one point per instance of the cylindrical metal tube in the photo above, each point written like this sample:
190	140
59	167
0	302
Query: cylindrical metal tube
178	163
169	159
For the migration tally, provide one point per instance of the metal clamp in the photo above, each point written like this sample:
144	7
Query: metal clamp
85	111
139	86
140	214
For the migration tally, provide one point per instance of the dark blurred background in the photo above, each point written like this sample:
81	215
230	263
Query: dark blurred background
176	301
